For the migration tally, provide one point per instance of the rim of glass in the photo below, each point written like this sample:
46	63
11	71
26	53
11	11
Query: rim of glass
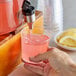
22	31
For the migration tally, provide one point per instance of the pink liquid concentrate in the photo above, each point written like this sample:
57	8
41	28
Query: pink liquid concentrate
33	45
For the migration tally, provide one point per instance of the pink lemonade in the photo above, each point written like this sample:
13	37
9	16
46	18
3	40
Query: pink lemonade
9	15
33	45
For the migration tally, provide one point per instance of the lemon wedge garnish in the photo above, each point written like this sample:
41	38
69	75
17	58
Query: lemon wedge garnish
68	41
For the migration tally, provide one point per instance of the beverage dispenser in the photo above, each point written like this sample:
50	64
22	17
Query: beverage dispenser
8	15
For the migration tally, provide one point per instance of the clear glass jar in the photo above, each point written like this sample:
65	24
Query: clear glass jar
53	14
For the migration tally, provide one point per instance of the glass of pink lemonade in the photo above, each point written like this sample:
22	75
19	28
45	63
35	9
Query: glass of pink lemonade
33	44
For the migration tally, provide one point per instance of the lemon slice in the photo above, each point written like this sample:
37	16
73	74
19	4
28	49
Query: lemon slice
69	32
68	41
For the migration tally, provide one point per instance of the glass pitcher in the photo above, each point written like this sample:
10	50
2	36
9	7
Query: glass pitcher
53	15
8	15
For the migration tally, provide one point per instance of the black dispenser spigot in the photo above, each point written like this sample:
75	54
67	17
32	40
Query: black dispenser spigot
28	11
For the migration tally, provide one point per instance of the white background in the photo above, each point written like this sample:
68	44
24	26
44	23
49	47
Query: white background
69	13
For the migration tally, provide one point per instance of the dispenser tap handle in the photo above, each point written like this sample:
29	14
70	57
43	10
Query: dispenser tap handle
25	4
